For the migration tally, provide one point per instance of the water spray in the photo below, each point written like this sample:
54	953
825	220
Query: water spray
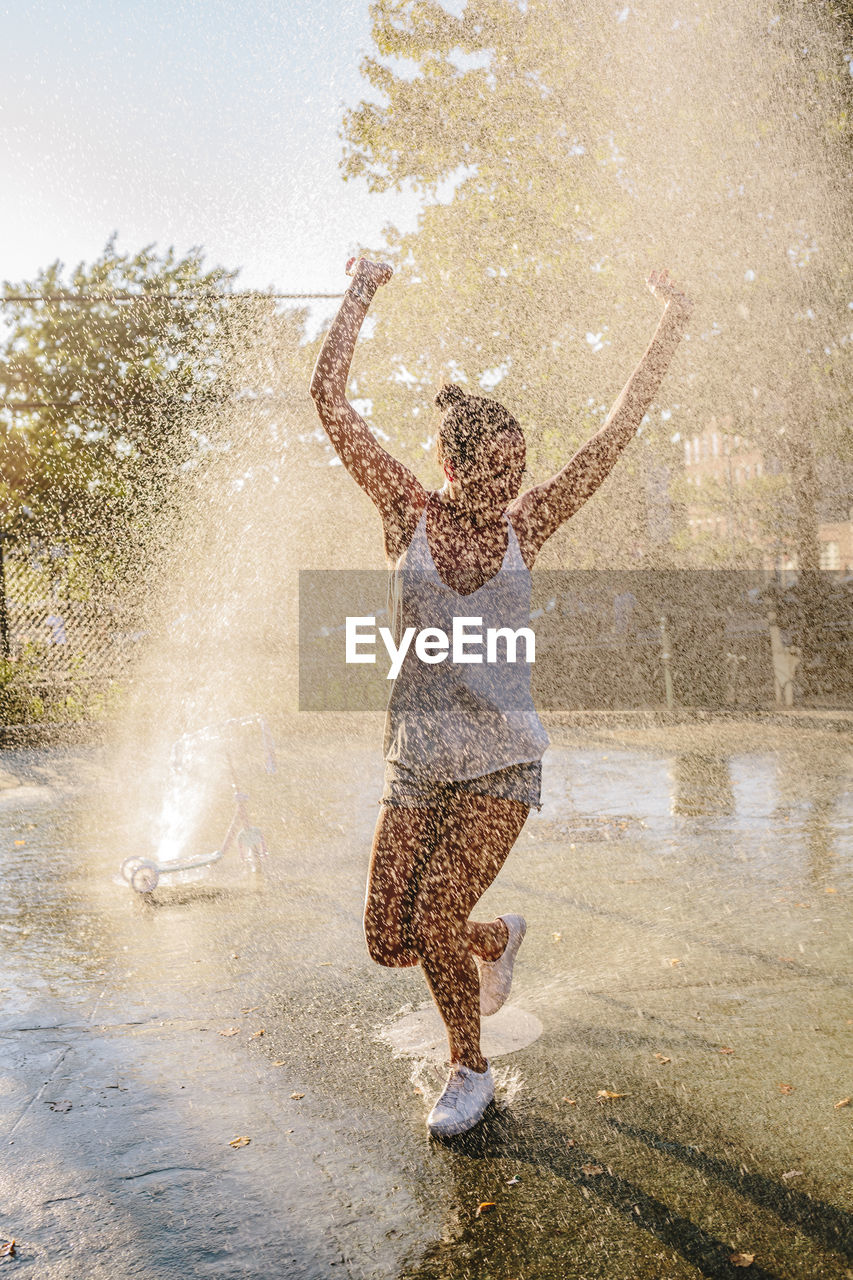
143	874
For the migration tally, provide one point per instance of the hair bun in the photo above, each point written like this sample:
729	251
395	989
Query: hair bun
449	395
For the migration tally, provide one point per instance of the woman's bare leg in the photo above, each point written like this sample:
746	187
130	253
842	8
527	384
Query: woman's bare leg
402	846
488	941
403	843
470	848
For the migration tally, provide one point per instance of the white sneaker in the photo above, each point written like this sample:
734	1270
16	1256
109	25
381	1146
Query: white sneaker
496	975
466	1096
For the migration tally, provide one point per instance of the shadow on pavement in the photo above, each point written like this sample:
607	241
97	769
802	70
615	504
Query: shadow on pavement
831	1226
543	1147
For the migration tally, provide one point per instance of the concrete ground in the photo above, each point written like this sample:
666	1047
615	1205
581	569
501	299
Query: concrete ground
688	897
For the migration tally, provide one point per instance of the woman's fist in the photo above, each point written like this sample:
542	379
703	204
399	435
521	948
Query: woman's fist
366	272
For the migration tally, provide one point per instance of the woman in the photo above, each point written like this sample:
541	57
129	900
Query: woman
463	744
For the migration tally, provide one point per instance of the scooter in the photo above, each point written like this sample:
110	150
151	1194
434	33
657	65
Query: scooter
143	874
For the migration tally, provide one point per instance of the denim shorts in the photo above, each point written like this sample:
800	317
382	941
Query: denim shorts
410	789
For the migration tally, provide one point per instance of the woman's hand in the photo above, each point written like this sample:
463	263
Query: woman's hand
676	302
369	274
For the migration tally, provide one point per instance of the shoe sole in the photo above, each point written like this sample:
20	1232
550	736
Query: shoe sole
511	956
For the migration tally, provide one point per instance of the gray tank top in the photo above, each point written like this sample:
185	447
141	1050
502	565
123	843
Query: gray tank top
458	720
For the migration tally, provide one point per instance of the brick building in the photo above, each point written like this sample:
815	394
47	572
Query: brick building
722	463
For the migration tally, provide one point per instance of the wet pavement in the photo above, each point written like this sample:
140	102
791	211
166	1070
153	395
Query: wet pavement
688	897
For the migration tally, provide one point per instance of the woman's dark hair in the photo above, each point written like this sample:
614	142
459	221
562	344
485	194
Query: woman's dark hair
468	421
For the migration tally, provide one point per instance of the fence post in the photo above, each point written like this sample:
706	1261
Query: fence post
665	656
785	661
4	608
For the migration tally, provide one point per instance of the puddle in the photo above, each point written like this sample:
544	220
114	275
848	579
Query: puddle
420	1033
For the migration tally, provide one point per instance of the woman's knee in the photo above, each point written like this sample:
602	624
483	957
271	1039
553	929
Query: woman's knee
434	927
387	946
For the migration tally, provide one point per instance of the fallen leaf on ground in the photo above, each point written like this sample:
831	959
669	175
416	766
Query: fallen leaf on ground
297	1095
785	1088
571	1102
830	890
513	1182
7	1248
281	1063
742	1259
485	1207
230	1031
592	1170
239	1142
255	1034
64	1105
661	1057
674	960
606	1095
845	1102
792	1173
725	1049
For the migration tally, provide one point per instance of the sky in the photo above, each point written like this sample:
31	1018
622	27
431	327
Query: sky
210	124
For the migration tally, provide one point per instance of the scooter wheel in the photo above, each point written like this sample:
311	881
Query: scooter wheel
251	842
144	876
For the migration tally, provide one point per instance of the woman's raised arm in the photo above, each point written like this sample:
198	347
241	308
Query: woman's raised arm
391	486
538	512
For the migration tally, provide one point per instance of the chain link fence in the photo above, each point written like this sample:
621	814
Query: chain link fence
68	644
64	642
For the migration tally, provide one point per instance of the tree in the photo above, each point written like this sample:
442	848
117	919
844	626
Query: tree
571	148
104	401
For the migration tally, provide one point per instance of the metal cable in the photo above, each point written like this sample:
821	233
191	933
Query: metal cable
66	296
